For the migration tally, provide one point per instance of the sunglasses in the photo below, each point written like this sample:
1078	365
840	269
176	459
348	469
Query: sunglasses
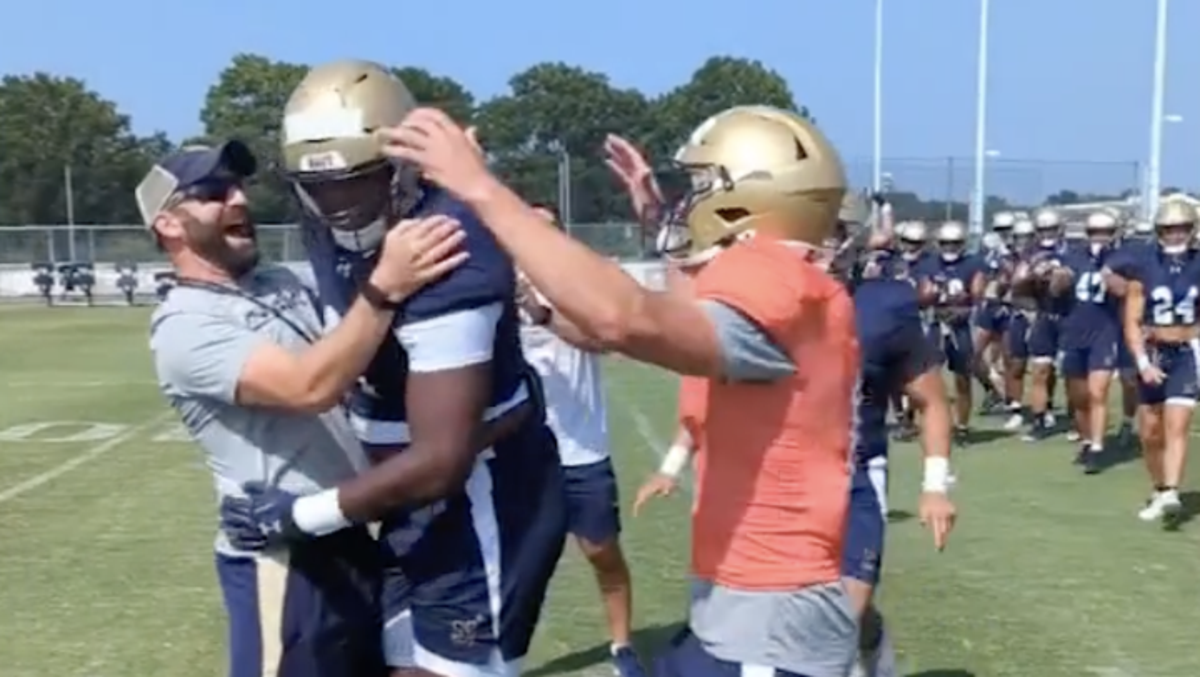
214	189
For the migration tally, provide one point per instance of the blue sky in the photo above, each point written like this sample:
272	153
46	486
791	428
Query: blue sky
1070	79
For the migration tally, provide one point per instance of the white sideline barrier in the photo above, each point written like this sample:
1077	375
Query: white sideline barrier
16	281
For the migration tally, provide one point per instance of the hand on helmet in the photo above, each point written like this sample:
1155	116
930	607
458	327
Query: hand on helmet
446	153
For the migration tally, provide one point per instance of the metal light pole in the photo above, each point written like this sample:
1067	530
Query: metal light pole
1154	166
877	149
978	196
69	189
564	188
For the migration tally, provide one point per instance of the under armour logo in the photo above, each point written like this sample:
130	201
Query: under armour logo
466	632
271	528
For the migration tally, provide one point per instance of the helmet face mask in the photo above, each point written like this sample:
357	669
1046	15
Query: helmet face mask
333	158
757	169
1175	224
1101	230
952	240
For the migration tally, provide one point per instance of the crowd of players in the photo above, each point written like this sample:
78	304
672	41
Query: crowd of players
397	392
1089	302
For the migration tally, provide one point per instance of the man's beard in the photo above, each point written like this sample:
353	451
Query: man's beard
211	242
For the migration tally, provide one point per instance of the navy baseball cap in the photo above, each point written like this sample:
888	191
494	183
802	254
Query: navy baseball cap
188	167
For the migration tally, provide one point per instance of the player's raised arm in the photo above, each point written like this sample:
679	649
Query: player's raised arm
594	292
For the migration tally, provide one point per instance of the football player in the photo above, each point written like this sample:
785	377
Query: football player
912	244
1137	238
1090	332
772	336
992	314
470	539
1044	333
1161	329
1023	304
896	357
956	281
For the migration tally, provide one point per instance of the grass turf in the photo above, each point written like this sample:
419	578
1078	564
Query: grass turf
106	523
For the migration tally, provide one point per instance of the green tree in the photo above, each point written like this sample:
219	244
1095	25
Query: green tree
50	126
720	83
438	91
554	120
247	103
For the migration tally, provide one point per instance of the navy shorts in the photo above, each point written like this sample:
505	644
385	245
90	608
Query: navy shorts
466	577
686	657
862	550
958	348
1097	352
1180	385
592	502
1016	336
312	611
1043	338
992	316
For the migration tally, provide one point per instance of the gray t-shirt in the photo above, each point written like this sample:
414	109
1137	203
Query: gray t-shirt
201	338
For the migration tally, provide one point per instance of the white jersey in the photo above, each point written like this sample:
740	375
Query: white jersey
574	390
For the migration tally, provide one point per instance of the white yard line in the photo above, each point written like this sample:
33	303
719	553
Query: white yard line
84	458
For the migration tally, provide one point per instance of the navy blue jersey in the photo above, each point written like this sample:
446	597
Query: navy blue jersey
996	264
886	264
894	351
1125	258
1170	283
953	281
435	328
1041	255
1089	309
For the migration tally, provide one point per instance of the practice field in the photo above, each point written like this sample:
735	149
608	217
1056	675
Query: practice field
106	523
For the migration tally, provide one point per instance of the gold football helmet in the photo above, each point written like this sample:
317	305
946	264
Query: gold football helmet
1175	224
758	167
333	157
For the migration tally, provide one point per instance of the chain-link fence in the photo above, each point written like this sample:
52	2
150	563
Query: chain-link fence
119	244
1018	182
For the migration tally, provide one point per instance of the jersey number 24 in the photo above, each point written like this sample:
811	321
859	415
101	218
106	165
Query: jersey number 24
1166	310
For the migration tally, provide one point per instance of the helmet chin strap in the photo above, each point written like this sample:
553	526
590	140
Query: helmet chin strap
365	239
1175	248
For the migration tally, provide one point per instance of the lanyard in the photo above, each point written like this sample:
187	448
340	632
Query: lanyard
229	290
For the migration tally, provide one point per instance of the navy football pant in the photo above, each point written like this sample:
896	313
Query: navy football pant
312	611
466	578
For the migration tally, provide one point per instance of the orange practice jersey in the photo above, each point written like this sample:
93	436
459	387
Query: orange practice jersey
773	459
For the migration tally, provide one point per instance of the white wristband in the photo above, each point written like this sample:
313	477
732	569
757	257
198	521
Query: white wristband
674	462
319	514
937	475
1143	362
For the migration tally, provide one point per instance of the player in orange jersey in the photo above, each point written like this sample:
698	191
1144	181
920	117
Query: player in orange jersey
773	336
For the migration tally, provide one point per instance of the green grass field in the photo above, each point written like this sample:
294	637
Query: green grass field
106	524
